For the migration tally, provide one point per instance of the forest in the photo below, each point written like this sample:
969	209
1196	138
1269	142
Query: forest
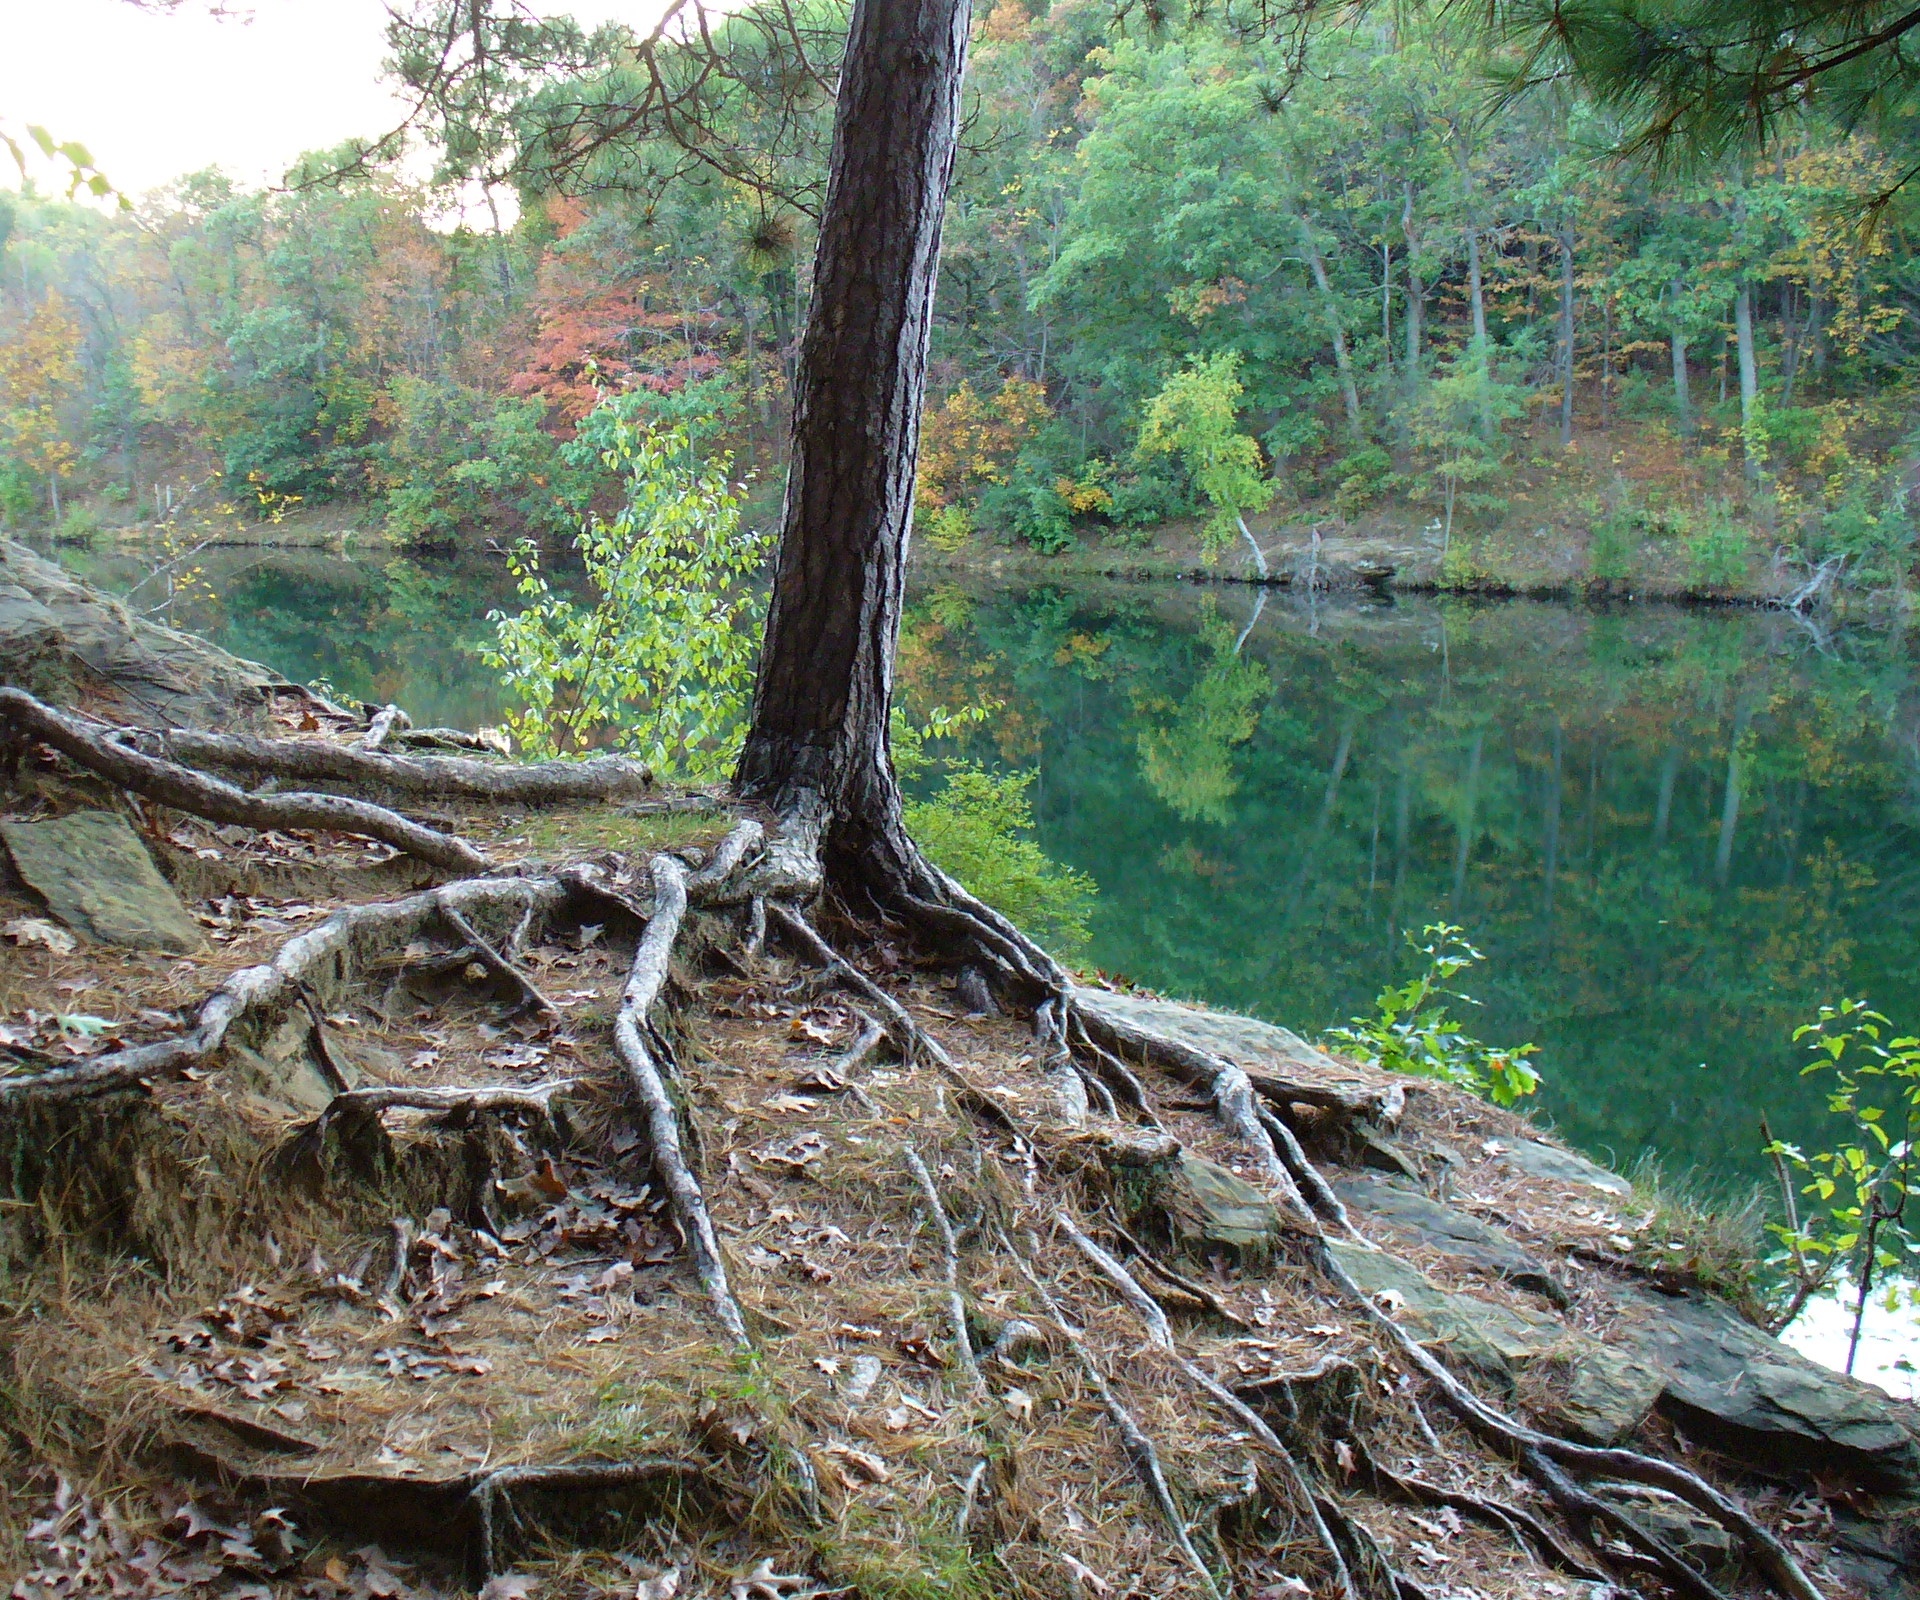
714	1064
1362	280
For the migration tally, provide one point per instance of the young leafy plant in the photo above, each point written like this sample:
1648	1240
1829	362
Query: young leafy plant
660	664
1859	1188
978	826
1411	1031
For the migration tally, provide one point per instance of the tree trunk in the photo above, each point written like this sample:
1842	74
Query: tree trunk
1482	351
1749	378
1416	296
1566	334
1342	358
1682	398
818	746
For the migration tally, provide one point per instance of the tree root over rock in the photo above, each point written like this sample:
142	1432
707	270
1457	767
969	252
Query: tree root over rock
1164	1383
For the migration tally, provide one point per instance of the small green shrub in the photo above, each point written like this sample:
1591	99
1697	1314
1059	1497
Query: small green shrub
1718	548
978	827
1611	543
949	528
78	526
1360	478
1410	1030
661	662
1858	1225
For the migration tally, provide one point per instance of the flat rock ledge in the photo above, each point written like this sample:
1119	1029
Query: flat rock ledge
1721	1381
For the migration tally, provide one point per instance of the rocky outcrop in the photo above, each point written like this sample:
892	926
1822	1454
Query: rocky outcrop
63	639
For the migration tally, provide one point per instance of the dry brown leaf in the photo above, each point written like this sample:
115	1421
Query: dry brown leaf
37	930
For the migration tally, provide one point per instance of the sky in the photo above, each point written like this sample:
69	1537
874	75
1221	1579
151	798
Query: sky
154	96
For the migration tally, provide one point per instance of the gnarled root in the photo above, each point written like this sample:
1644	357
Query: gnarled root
377	768
186	790
1160	1334
1538	1450
259	997
636	1041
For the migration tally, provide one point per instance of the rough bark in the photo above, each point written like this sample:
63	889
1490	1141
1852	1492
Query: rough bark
1749	379
1682	396
1566	334
818	742
1342	356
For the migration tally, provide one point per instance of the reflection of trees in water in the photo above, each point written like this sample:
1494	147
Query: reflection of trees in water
384	630
1674	833
1186	745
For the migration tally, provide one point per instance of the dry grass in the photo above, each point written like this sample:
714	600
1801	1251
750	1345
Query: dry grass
577	1335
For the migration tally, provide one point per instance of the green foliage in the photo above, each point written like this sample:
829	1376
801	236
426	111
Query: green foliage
978	826
20	495
661	662
1859	1188
1411	1031
1718	548
1195	417
1186	745
1456	428
1360	478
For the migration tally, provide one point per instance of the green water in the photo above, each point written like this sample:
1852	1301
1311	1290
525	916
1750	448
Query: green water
1674	833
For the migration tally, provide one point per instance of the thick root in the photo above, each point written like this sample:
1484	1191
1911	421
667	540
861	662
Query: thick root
186	790
374	767
259	997
633	1034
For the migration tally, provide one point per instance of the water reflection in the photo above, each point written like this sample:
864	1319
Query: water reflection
1674	833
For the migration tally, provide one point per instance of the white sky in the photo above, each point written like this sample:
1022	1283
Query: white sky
155	96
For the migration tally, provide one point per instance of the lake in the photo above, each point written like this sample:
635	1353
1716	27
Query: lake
1672	832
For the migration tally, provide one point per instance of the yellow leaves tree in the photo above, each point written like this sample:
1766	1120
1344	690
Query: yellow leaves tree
971	440
39	373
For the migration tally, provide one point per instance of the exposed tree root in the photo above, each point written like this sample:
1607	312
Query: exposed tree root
492	959
909	1038
632	1032
536	1100
949	1265
193	792
378	769
1537	1450
260	996
1139	1448
1160	1334
1525	1529
490	1491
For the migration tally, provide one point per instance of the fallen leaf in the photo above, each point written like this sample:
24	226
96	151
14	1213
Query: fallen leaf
663	1586
37	930
864	1462
785	1103
508	1586
1343	1457
1018	1403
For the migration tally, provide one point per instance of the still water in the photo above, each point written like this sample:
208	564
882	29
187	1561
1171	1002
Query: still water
1673	833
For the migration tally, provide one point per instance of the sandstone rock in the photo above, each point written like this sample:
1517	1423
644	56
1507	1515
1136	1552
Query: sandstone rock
1609	1392
1208	1202
1492	1339
59	635
1401	1207
1541	1160
97	877
1280	1062
1733	1387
